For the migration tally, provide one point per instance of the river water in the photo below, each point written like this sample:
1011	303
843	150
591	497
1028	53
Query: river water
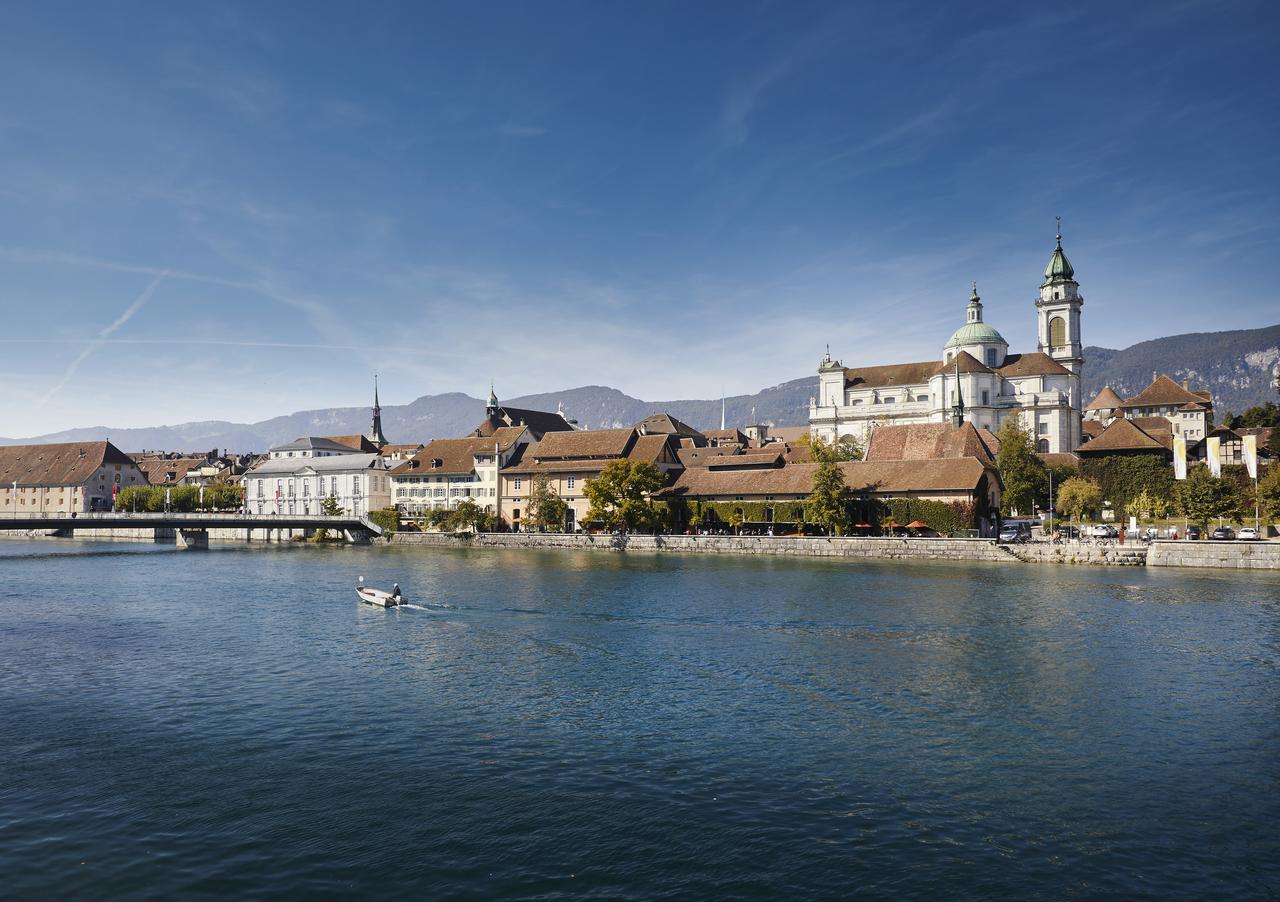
569	724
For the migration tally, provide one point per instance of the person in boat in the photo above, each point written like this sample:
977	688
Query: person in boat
395	591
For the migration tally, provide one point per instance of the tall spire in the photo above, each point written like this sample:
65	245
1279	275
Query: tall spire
375	427
493	399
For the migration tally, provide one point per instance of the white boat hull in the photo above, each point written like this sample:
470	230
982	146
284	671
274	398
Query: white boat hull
378	598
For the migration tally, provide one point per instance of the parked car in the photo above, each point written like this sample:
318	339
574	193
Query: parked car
1223	534
1015	533
1103	531
1193	533
1068	532
1248	534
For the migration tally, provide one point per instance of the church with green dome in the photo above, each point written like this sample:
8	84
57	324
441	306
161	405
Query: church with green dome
976	380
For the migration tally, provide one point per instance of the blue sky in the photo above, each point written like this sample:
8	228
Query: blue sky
231	211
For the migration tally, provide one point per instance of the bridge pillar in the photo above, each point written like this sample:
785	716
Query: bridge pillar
192	538
356	536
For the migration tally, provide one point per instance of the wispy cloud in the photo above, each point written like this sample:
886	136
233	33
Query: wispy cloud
102	337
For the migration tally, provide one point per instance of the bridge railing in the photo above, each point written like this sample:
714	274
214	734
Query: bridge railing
194	516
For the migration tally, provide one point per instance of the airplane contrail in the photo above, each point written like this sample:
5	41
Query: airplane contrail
106	333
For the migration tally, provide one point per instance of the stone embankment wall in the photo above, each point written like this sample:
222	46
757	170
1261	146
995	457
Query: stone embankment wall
1131	555
1229	555
916	549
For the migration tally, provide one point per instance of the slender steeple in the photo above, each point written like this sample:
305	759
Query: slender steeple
375	428
492	405
957	407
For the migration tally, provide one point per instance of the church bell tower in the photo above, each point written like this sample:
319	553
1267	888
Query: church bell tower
1058	310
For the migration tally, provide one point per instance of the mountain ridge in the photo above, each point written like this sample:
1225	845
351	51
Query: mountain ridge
1238	366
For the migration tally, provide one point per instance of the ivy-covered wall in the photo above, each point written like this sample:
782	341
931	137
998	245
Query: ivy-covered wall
1122	477
947	518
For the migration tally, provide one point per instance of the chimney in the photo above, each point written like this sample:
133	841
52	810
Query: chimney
1185	385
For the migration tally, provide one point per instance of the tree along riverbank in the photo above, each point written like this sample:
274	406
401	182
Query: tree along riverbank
1228	555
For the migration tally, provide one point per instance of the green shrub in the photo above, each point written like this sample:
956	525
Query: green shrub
387	519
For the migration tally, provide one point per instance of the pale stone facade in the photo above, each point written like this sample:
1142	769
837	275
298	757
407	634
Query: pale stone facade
299	485
977	380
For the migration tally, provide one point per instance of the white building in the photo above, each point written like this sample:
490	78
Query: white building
450	470
297	477
977	380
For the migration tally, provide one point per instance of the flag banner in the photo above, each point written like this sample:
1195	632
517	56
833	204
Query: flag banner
1212	447
1250	449
1179	457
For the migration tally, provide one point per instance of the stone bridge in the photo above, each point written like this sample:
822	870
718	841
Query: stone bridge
191	530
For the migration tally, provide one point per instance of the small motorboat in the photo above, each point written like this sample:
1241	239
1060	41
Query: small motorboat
378	597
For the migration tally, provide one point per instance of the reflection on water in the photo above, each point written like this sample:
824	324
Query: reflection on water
574	723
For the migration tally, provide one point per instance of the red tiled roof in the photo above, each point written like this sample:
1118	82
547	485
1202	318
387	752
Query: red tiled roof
456	455
1164	392
1125	435
1106	399
64	463
891	375
355	442
157	470
965	361
1033	363
927	441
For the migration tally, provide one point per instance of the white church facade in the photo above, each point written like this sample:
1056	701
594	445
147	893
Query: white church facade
977	380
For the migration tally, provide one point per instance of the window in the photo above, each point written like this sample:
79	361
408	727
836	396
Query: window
890	400
1044	428
333	485
260	486
991	356
986	398
1057	332
355	485
518	483
515	513
572	482
924	398
1043	446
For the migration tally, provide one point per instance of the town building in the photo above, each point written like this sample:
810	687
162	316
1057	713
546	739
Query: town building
1130	436
966	480
569	459
1189	412
448	471
297	477
977	379
63	478
445	472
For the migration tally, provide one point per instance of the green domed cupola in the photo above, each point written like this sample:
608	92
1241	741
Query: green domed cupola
1059	268
975	331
